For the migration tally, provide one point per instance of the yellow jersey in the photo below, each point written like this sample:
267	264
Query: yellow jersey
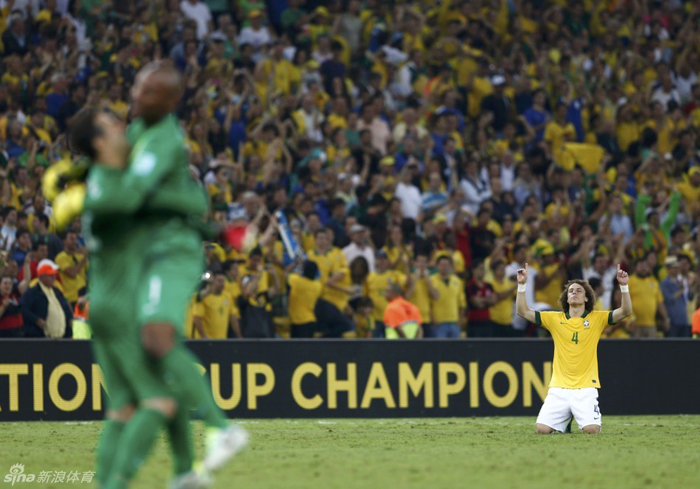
555	134
421	298
646	297
394	252
189	317
575	346
71	286
308	242
215	312
233	287
627	133
501	312
303	295
281	73
364	326
451	299
549	294
376	286
214	190
329	263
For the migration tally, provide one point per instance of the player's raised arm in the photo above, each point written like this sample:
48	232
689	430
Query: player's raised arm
625	308
520	301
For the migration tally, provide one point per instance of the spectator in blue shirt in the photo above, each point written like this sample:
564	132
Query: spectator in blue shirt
434	197
537	116
675	300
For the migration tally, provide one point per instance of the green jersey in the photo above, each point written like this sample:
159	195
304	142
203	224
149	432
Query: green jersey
139	214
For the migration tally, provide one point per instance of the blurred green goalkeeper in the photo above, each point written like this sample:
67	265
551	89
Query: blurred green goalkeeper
142	219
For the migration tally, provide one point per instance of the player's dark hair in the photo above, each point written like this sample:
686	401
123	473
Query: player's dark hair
82	131
594	282
590	295
36	245
226	266
21	232
444	257
364	302
43	218
310	270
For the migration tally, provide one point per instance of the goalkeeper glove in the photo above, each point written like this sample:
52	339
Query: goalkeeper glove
68	205
58	176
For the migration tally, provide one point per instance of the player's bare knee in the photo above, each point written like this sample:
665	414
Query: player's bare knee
542	429
591	429
158	339
164	405
123	414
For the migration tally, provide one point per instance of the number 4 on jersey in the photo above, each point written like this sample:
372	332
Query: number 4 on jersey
574	338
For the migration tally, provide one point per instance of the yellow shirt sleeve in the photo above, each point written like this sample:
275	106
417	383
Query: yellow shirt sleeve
63	260
549	133
198	309
546	319
462	296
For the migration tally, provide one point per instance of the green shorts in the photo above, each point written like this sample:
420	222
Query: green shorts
130	376
166	286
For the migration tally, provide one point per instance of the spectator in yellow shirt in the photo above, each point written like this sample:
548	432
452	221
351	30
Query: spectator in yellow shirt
376	286
501	312
422	291
233	283
448	300
73	264
550	279
647	300
364	322
215	313
557	132
304	292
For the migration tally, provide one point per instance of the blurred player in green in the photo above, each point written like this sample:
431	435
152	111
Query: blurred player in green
142	212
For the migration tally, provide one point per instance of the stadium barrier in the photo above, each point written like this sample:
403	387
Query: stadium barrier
59	381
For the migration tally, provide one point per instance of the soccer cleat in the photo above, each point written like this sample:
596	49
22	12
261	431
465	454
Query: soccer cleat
222	445
194	479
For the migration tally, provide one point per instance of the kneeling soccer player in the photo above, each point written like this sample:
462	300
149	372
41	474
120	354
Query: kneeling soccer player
575	330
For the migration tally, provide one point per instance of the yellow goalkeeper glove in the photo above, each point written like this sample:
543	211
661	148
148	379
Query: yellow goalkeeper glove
59	175
68	205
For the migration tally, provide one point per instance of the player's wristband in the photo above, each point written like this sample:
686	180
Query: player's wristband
521	287
624	288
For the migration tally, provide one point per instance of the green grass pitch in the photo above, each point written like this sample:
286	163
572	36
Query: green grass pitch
633	452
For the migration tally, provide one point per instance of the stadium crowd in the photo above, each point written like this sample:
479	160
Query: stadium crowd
418	150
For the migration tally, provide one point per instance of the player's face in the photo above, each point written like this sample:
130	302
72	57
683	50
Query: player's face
219	284
322	241
6	286
112	137
47	280
577	295
150	96
444	267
